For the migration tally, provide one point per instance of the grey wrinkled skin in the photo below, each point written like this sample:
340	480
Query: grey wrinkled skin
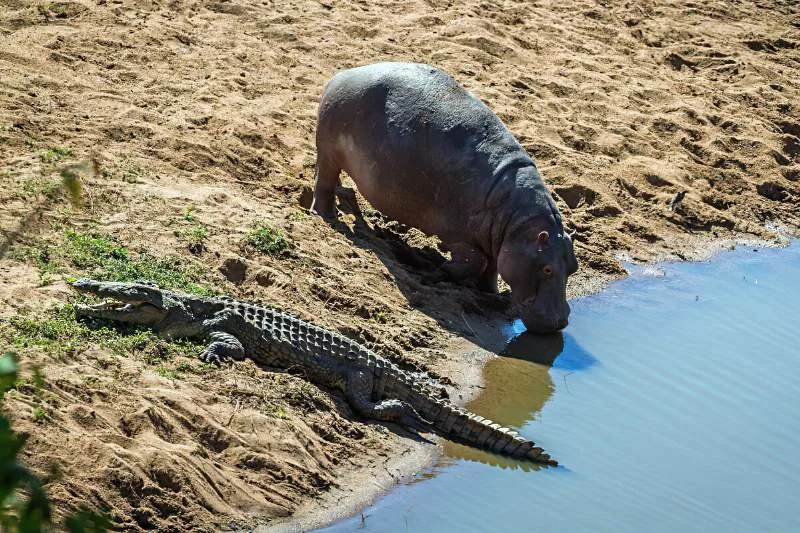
427	153
373	386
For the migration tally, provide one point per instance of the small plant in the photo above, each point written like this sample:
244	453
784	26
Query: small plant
38	414
188	213
130	171
54	154
198	368
6	126
298	215
165	372
266	239
195	238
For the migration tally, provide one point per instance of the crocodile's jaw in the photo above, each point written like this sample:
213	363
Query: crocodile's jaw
135	303
136	313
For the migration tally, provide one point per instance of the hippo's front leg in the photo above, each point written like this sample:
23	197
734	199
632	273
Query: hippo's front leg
469	264
327	178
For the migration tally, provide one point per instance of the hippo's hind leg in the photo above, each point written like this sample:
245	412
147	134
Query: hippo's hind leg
327	178
470	265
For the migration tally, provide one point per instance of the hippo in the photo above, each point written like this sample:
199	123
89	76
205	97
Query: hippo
427	153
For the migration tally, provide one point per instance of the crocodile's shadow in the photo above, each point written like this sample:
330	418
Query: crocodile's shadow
460	309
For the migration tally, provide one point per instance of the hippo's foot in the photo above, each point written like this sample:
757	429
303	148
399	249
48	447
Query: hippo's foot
329	215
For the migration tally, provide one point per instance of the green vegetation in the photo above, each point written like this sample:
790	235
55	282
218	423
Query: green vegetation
130	171
188	213
33	187
104	258
195	237
39	414
266	239
197	367
298	215
62	335
24	504
54	154
165	372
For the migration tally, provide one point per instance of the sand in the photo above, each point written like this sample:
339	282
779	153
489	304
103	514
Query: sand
209	106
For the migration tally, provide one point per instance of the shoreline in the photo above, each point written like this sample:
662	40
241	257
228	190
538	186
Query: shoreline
466	369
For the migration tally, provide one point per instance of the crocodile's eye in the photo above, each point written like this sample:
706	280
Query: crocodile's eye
547	270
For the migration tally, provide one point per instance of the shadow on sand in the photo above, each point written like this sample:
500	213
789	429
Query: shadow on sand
463	310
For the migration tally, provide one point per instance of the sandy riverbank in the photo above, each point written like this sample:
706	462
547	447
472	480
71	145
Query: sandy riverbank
201	116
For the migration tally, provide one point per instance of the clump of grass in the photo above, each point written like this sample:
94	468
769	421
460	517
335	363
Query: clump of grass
165	372
104	258
298	215
188	213
34	187
60	334
198	367
130	171
54	154
266	239
195	238
38	414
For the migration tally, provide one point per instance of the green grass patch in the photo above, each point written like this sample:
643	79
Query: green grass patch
165	372
38	414
128	171
188	213
104	258
61	335
54	154
194	237
195	366
264	238
298	215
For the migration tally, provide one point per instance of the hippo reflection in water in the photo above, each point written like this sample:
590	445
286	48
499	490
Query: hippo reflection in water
427	153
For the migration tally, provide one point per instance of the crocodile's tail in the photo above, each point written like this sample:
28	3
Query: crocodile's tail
457	423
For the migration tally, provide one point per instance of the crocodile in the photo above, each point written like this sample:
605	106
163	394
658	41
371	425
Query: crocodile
374	387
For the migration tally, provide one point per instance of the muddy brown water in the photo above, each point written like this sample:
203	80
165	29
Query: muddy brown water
672	402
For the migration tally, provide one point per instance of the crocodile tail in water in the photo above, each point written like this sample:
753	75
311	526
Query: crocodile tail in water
459	424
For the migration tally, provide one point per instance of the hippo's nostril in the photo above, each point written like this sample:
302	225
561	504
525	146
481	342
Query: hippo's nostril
562	323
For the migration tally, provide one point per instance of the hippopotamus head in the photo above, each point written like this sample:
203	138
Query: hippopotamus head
536	264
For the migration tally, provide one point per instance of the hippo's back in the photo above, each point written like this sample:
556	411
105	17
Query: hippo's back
420	147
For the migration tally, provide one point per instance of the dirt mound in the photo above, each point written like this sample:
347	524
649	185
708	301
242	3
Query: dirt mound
201	116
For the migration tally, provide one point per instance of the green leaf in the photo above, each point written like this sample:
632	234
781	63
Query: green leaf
8	372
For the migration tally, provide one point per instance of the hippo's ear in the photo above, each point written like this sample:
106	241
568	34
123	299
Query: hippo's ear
542	239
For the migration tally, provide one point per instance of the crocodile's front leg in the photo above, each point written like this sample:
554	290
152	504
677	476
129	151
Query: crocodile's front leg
223	347
358	390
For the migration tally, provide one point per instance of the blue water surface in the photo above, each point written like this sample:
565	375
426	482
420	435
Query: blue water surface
672	402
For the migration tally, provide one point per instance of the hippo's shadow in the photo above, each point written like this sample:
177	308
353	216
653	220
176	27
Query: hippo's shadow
461	309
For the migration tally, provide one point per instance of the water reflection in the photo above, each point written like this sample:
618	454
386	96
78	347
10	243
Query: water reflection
518	385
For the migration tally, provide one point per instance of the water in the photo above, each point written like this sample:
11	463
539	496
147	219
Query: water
672	403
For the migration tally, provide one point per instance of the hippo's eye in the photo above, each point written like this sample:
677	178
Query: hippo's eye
547	270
